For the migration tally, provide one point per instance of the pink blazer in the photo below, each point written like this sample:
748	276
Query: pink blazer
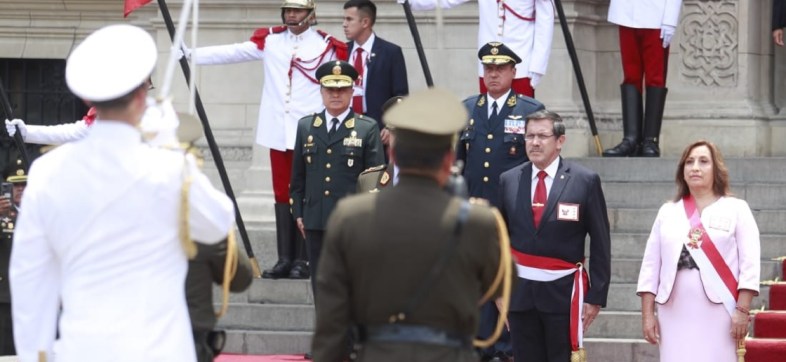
729	223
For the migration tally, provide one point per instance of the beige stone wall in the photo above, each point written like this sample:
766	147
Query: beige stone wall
721	69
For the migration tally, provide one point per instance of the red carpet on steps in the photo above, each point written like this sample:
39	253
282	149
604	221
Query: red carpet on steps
247	358
778	296
765	350
770	324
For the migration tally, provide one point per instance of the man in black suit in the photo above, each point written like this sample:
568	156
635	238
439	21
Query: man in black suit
380	63
550	206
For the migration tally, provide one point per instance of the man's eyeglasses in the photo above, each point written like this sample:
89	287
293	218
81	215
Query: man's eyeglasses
540	137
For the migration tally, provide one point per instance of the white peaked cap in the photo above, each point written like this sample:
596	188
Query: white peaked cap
111	62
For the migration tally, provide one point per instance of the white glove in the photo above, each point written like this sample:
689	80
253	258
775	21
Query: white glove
183	51
534	78
666	33
10	126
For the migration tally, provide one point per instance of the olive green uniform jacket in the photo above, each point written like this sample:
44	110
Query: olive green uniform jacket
326	168
378	249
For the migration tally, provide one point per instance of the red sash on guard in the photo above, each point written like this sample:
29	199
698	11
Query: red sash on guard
714	270
545	269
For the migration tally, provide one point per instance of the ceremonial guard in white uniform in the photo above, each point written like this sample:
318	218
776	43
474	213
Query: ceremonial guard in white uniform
99	265
291	54
525	26
646	28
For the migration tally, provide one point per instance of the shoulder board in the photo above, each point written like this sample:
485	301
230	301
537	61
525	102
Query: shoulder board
260	35
374	169
365	118
341	48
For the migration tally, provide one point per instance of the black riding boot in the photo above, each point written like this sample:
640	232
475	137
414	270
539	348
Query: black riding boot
653	118
300	266
284	238
631	123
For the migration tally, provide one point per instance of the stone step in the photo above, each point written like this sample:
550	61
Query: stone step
653	194
267	342
741	170
268	317
623	220
598	349
631	245
627	270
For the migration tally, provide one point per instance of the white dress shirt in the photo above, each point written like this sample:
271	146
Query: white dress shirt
551	171
284	100
367	54
99	236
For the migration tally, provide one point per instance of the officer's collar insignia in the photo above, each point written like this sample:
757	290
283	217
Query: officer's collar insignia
337	69
385	178
482	100
350	123
511	101
317	121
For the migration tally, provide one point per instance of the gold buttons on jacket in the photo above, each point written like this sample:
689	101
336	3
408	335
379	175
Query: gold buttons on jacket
327	179
329	151
490	136
327	193
485	179
486	164
327	166
488	150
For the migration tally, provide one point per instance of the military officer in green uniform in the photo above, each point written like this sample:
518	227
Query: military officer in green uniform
408	267
332	148
9	206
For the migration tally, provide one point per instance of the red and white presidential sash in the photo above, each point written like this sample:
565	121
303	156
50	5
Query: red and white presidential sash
714	270
545	269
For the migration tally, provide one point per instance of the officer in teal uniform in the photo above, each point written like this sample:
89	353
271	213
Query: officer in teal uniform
9	207
332	148
493	140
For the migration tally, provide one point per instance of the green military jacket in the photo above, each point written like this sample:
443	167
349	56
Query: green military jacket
377	250
326	168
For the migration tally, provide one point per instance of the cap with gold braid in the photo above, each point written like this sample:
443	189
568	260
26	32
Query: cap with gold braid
497	53
336	74
18	174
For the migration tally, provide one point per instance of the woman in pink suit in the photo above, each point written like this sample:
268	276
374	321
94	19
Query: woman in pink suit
701	264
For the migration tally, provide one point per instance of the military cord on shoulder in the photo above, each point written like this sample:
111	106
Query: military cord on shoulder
230	269
185	235
503	278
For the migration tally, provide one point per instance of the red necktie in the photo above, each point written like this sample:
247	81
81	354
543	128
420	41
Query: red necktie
539	201
357	101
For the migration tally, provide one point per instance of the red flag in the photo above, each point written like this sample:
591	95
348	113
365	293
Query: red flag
132	5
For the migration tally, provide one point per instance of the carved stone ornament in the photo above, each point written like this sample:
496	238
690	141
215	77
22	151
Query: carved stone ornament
709	42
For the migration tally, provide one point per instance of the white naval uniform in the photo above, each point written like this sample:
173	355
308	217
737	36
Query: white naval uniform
529	39
284	100
57	134
645	14
99	236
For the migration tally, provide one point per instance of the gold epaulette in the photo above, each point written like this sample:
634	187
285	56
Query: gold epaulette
374	169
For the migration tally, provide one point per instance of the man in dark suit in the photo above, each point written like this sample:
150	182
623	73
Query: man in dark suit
380	63
9	207
331	149
550	206
381	247
491	143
